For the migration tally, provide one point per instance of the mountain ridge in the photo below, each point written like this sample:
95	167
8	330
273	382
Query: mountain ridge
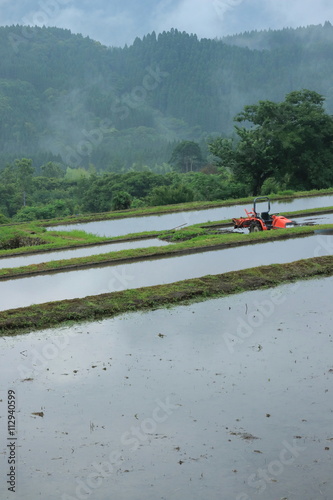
58	90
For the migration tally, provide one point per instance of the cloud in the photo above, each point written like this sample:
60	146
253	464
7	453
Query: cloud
64	18
278	14
216	18
203	17
116	22
299	12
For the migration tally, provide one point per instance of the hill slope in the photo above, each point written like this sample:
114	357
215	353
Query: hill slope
69	98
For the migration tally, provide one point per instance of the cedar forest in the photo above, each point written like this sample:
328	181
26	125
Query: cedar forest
87	128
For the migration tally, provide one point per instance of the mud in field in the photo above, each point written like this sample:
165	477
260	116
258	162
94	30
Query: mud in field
121	227
21	241
226	399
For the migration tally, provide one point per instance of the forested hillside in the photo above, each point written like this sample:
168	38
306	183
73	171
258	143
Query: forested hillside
69	99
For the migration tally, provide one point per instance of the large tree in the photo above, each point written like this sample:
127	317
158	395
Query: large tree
290	142
187	157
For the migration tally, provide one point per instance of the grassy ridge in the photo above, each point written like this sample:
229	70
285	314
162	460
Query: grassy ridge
199	243
108	305
57	240
164	209
50	239
62	240
182	207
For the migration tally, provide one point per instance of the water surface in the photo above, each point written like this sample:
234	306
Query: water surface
95	281
169	221
38	258
226	399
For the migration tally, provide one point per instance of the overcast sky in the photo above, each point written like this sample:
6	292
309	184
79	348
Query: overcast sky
116	22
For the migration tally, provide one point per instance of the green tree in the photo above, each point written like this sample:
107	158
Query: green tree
24	172
58	208
4	219
52	169
186	157
290	143
170	195
121	200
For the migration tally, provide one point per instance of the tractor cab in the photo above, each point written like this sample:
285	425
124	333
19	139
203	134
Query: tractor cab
256	220
264	215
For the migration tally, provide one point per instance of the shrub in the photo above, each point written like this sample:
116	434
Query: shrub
4	219
121	201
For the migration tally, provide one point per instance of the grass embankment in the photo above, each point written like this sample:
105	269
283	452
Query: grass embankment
182	207
31	238
290	215
108	305
200	240
308	212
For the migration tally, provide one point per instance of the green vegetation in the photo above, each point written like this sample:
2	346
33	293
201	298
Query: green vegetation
30	238
187	233
288	146
95	133
187	157
111	304
44	197
309	211
192	240
67	99
142	131
180	207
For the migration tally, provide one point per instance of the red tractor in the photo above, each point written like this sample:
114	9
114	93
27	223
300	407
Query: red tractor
263	221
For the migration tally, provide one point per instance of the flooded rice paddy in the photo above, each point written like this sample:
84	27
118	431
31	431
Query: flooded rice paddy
38	258
315	219
95	281
169	221
226	399
299	221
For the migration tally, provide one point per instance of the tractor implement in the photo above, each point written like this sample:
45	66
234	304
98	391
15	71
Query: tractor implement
262	221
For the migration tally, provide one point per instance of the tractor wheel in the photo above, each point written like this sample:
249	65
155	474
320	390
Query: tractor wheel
255	226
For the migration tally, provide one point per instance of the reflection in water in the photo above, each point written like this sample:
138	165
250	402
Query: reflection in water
314	220
26	260
170	221
95	281
226	399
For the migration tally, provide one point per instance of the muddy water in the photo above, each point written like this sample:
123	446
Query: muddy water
95	281
26	260
226	399
315	219
169	221
299	221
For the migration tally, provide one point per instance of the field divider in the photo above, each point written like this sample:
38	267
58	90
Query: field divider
108	305
188	247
